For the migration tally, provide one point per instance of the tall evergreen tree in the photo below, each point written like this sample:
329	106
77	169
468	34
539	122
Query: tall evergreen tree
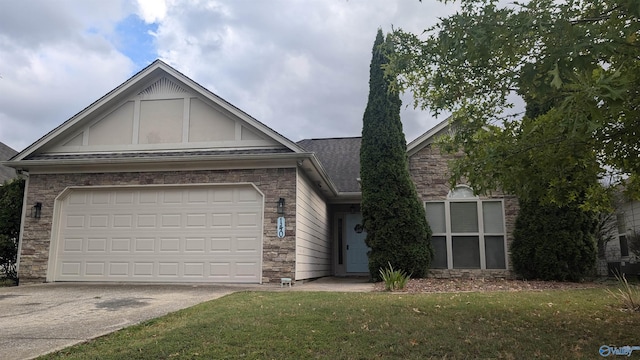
397	229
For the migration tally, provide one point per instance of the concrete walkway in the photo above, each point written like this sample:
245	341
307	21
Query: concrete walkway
38	319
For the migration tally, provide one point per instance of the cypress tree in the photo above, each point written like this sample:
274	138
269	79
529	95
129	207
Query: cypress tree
393	216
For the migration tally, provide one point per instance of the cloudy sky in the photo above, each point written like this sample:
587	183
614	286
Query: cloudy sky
298	66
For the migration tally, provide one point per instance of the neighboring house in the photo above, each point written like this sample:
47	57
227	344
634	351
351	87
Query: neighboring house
6	173
618	255
161	180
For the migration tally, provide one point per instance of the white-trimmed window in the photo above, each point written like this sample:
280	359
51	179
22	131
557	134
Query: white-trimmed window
468	233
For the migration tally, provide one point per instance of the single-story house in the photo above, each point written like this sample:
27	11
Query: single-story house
6	173
161	180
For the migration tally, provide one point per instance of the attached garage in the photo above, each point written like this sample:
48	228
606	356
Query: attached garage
180	233
161	180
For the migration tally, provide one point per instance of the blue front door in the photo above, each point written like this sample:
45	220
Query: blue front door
357	260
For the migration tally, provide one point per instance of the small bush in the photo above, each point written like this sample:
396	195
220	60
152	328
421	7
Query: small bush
627	294
554	243
394	280
10	216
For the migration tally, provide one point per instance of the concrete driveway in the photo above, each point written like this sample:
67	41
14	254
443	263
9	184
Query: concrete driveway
39	319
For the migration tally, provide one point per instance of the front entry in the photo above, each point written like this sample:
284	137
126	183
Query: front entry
357	259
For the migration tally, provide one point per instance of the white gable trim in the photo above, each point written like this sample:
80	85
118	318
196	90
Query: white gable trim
428	137
150	75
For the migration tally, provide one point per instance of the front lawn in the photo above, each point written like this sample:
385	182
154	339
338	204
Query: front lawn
297	325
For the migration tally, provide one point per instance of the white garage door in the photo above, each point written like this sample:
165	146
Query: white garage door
207	233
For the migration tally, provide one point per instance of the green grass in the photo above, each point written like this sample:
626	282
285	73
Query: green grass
7	282
297	325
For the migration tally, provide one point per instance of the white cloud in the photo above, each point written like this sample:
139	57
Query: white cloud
152	11
301	67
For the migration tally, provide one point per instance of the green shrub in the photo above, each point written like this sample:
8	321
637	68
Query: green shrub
394	280
553	243
10	215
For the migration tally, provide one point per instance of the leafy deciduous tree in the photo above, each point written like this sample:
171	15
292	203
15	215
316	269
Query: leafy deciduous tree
397	229
576	63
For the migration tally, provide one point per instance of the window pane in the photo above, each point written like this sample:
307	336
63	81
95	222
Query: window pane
492	217
494	252
624	247
466	252
461	192
439	244
435	217
464	217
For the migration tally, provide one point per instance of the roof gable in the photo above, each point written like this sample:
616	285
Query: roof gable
158	109
429	137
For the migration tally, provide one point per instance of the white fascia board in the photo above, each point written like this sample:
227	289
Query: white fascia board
322	173
98	104
347	198
33	165
427	138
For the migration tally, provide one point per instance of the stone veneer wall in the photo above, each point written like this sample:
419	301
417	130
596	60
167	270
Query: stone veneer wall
430	172
278	254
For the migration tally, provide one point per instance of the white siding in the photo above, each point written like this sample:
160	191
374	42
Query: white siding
631	211
313	248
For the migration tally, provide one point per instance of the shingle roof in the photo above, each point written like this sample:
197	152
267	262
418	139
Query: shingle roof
6	153
340	157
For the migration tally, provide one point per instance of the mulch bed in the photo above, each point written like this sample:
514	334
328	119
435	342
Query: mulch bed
432	285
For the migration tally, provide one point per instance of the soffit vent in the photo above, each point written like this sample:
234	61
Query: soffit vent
162	87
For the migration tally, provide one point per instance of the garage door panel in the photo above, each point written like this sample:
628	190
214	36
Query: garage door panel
123	221
170	245
146	220
124	197
143	269
120	244
75	221
197	196
168	269
71	268
100	198
196	244
77	199
73	245
194	269
97	245
168	221
196	220
118	269
94	268
245	269
208	234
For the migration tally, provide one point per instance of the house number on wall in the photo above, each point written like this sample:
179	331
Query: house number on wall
281	227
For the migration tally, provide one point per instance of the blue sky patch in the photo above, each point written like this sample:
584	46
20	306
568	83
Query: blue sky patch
133	39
